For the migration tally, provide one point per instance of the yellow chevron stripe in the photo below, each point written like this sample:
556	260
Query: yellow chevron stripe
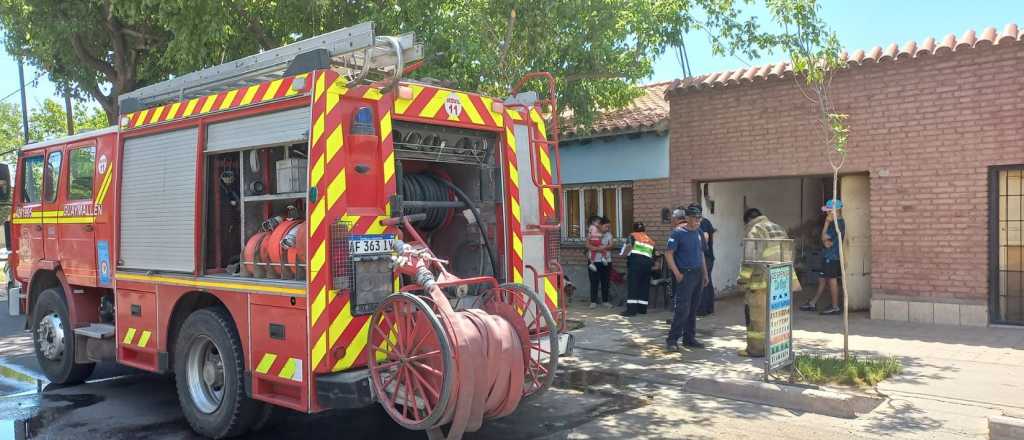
513	174
265	363
338	87
539	122
208	104
250	94
402	105
385	126
372	94
317	307
389	167
497	117
514	115
288	370
228	99
376	227
104	187
355	349
349	219
335	141
320	87
551	291
336	189
156	114
317	262
317	172
470	109
516	212
316	217
190	107
340	323
144	339
142	118
271	90
318	129
319	350
517	244
128	336
291	89
517	276
173	111
435	104
510	139
549	197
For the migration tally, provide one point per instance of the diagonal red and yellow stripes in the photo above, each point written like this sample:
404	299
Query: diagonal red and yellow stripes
547	195
512	176
231	99
435	104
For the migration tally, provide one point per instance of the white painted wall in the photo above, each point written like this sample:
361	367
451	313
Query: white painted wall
779	199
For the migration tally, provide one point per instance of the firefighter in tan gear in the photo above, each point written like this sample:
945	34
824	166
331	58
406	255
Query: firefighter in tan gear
640	249
754	279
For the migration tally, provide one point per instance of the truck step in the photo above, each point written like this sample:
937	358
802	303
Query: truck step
96	331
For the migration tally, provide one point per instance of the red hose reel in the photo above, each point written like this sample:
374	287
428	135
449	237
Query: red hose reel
432	364
268	254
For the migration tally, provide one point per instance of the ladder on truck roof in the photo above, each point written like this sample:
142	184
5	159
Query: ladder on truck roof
354	49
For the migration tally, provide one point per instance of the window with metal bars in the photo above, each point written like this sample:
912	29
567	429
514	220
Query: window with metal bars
613	200
1007	244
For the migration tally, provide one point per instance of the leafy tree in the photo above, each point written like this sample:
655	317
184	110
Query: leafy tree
46	122
599	49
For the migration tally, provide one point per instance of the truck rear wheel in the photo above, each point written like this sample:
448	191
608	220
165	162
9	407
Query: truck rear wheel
209	373
54	339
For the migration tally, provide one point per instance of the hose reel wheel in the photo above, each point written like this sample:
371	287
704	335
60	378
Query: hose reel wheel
541	344
411	361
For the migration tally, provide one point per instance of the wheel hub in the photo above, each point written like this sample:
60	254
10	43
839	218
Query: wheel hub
50	332
205	374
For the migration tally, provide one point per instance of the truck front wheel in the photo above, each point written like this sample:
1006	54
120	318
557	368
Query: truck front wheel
209	374
54	339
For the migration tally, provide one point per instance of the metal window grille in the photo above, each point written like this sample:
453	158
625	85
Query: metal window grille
1009	246
341	262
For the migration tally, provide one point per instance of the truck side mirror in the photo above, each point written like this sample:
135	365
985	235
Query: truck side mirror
5	183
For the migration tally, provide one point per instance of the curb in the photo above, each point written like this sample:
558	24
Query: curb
1005	428
796	398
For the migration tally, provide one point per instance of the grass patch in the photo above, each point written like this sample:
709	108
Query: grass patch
856	371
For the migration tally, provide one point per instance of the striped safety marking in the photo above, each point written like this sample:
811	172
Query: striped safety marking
288	368
197	282
141	342
232	99
434	103
515	230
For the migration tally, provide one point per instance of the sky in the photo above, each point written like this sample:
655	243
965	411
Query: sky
860	24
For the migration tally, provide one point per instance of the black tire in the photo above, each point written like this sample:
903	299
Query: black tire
62	370
235	412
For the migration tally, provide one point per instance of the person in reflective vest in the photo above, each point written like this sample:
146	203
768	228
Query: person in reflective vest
640	248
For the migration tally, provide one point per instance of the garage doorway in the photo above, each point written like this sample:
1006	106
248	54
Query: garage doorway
794	203
1006	244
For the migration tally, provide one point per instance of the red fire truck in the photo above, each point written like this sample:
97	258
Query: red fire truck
302	228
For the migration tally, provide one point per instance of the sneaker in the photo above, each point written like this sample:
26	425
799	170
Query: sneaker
832	311
671	347
693	343
809	307
592	267
593	305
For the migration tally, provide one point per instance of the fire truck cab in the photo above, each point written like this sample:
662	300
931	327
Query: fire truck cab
234	227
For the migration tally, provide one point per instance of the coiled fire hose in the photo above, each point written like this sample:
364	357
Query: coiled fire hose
483	376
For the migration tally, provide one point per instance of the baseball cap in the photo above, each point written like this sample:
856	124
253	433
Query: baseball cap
693	211
678	213
832	204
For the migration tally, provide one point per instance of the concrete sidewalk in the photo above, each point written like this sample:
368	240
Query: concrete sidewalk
953	378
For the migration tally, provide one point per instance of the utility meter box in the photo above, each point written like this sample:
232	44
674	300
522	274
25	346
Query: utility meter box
291	175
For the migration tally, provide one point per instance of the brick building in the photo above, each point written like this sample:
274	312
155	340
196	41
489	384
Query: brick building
617	167
932	182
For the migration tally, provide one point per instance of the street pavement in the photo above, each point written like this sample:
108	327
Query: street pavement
620	385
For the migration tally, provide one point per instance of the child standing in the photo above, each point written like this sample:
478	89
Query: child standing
598	242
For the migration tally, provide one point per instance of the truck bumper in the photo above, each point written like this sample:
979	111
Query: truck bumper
345	390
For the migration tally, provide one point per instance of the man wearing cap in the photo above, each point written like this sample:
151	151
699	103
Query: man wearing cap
832	269
685	257
640	249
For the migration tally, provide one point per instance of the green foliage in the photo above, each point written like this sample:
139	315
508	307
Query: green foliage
855	371
598	49
46	122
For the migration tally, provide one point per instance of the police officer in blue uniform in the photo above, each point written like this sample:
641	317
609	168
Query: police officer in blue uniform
685	258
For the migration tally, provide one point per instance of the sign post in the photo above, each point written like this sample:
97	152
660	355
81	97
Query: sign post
779	332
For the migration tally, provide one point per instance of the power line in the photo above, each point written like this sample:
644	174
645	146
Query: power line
18	90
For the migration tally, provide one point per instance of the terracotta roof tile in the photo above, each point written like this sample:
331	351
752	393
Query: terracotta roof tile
1011	34
644	112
